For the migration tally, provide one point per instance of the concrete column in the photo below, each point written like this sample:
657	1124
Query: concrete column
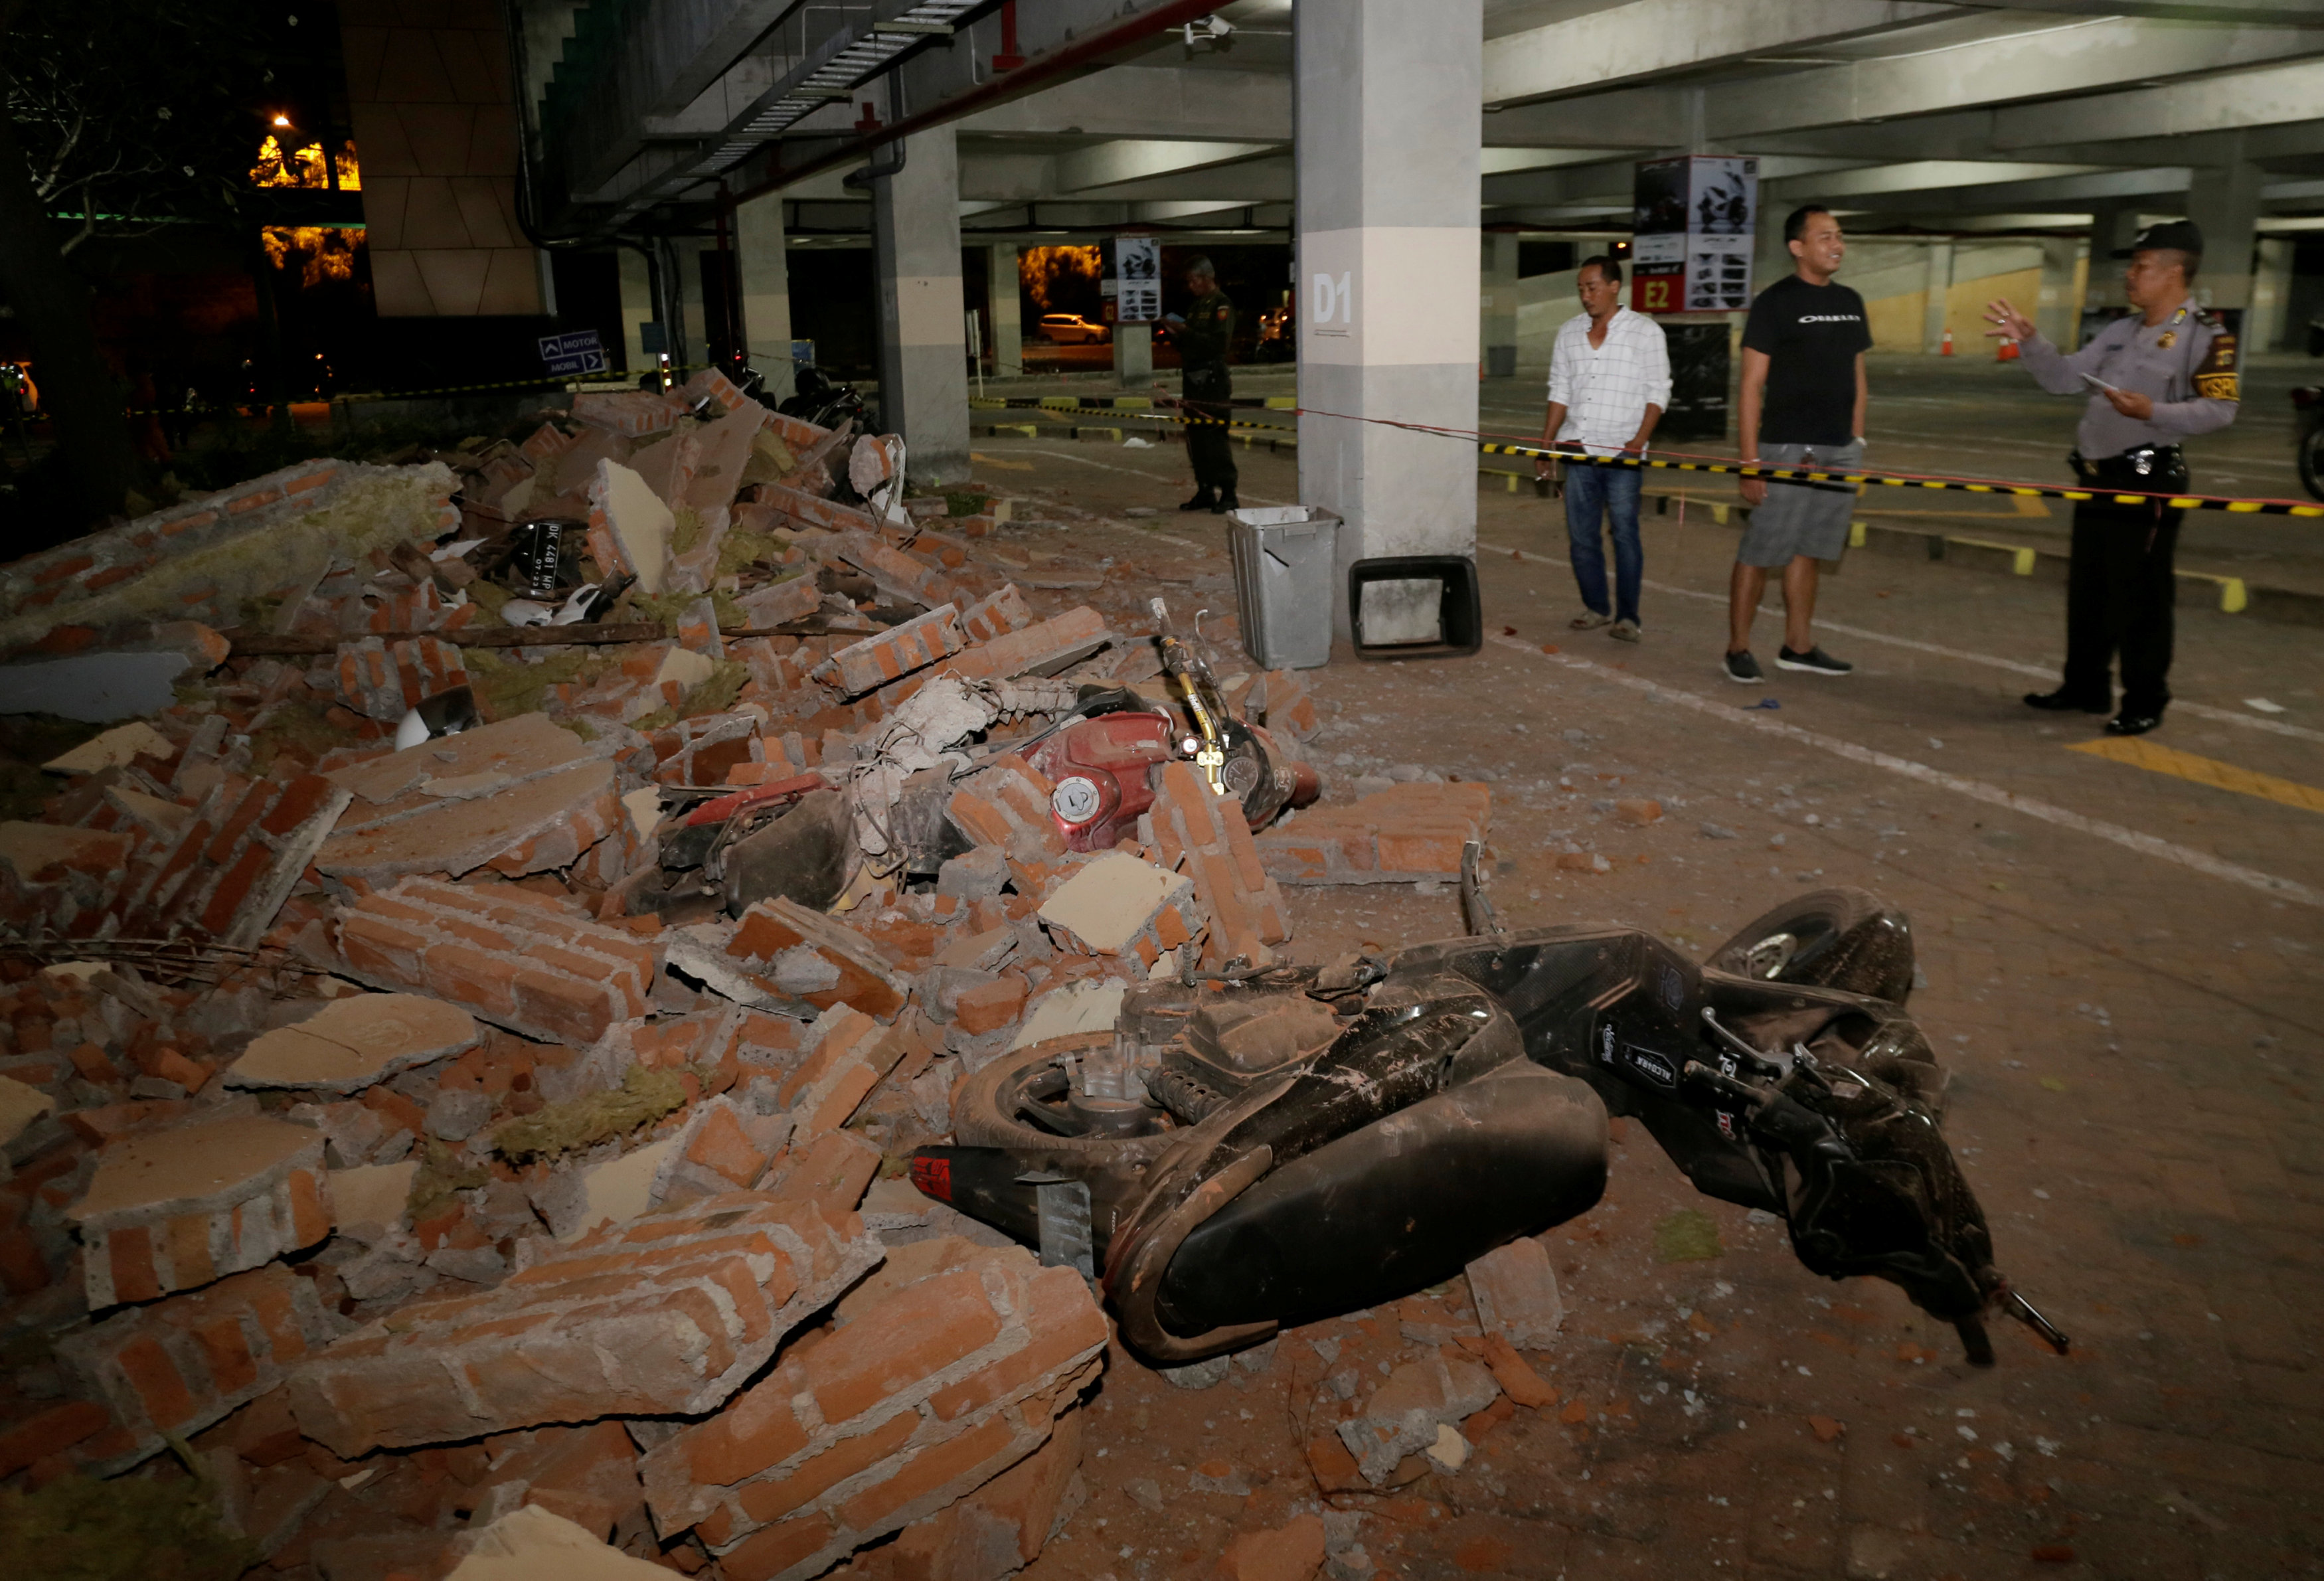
923	345
637	307
1133	356
1939	297
1499	327
2265	324
690	340
1004	328
2058	310
1385	239
2110	228
766	291
2224	204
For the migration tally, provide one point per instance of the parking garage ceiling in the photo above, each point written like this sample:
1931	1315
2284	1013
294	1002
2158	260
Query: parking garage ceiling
1899	112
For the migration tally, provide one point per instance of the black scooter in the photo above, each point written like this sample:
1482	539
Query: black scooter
1252	1150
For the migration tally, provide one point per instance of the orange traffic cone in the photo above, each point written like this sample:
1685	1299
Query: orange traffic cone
2005	352
1947	349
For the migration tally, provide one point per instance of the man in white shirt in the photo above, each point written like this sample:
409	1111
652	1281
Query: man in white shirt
1609	381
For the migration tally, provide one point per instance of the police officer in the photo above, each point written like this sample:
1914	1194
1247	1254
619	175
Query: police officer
2161	373
1202	337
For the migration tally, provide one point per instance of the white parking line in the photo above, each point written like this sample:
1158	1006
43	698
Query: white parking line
2039	671
1975	790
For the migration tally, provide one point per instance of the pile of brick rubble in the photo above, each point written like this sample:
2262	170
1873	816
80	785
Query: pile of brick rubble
391	1139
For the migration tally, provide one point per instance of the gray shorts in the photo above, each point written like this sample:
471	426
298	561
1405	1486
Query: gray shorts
1797	519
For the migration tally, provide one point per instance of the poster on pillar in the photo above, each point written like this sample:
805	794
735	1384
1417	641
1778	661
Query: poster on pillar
1691	234
1133	279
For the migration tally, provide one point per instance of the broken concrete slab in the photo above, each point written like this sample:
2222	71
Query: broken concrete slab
96	687
1515	1291
522	748
167	1210
611	1192
889	655
530	1543
1116	904
20	1108
630	527
353	1042
372	1195
112	749
665	1316
721	450
1076	1008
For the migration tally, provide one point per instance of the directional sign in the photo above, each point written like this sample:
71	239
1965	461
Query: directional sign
576	351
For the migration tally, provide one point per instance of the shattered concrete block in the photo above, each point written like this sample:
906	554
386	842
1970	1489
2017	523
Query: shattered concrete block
20	1107
630	527
1515	1291
847	1053
665	1316
1049	648
721	450
1404	1414
667	464
1207	839
793	952
1116	905
384	681
231	865
576	1200
1638	810
996	614
716	1151
973	875
1005	805
372	1195
946	1368
1291	1552
633	413
533	1540
780	603
889	655
355	1042
1002	1527
515	958
811	511
1404	835
177	1365
522	795
575	468
169	1210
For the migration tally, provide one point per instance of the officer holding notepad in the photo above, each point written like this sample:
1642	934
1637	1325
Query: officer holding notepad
2163	372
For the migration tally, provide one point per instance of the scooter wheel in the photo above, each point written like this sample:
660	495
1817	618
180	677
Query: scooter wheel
1842	939
1007	1103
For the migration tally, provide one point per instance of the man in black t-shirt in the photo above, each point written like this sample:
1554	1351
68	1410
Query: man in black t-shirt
1803	397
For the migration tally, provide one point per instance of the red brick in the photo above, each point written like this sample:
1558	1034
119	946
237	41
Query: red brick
929	1470
224	1347
168	1402
190	1251
310	1220
721	1146
131	1252
991	1006
777	1549
757	1430
57	570
225	901
918	1331
51	1432
103	579
1064	1323
803	1484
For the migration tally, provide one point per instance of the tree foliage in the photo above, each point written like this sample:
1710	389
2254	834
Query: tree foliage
134	113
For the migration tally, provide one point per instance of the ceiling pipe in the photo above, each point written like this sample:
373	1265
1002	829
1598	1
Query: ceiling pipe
997	90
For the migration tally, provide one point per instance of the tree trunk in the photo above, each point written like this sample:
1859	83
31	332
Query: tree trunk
84	401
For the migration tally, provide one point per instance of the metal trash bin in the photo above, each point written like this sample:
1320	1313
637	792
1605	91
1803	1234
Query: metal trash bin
1285	585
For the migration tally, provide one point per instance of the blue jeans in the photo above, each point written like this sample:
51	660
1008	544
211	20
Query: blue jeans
1592	493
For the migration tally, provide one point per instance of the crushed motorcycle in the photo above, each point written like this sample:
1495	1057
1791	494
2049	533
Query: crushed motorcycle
1252	1150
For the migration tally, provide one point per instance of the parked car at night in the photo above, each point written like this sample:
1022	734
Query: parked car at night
1072	330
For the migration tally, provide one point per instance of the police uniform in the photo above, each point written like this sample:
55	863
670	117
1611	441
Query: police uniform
1206	385
2119	592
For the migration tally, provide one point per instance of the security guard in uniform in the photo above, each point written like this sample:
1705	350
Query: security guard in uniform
2159	374
1202	337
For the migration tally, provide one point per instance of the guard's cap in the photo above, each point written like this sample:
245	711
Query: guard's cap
1202	265
2177	233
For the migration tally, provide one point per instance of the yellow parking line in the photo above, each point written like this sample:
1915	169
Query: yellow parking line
2142	753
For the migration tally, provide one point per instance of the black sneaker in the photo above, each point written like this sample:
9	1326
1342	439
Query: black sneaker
1201	501
2062	700
1742	667
1226	502
1816	661
2129	724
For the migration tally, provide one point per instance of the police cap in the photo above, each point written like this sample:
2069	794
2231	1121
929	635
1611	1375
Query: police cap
2179	235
